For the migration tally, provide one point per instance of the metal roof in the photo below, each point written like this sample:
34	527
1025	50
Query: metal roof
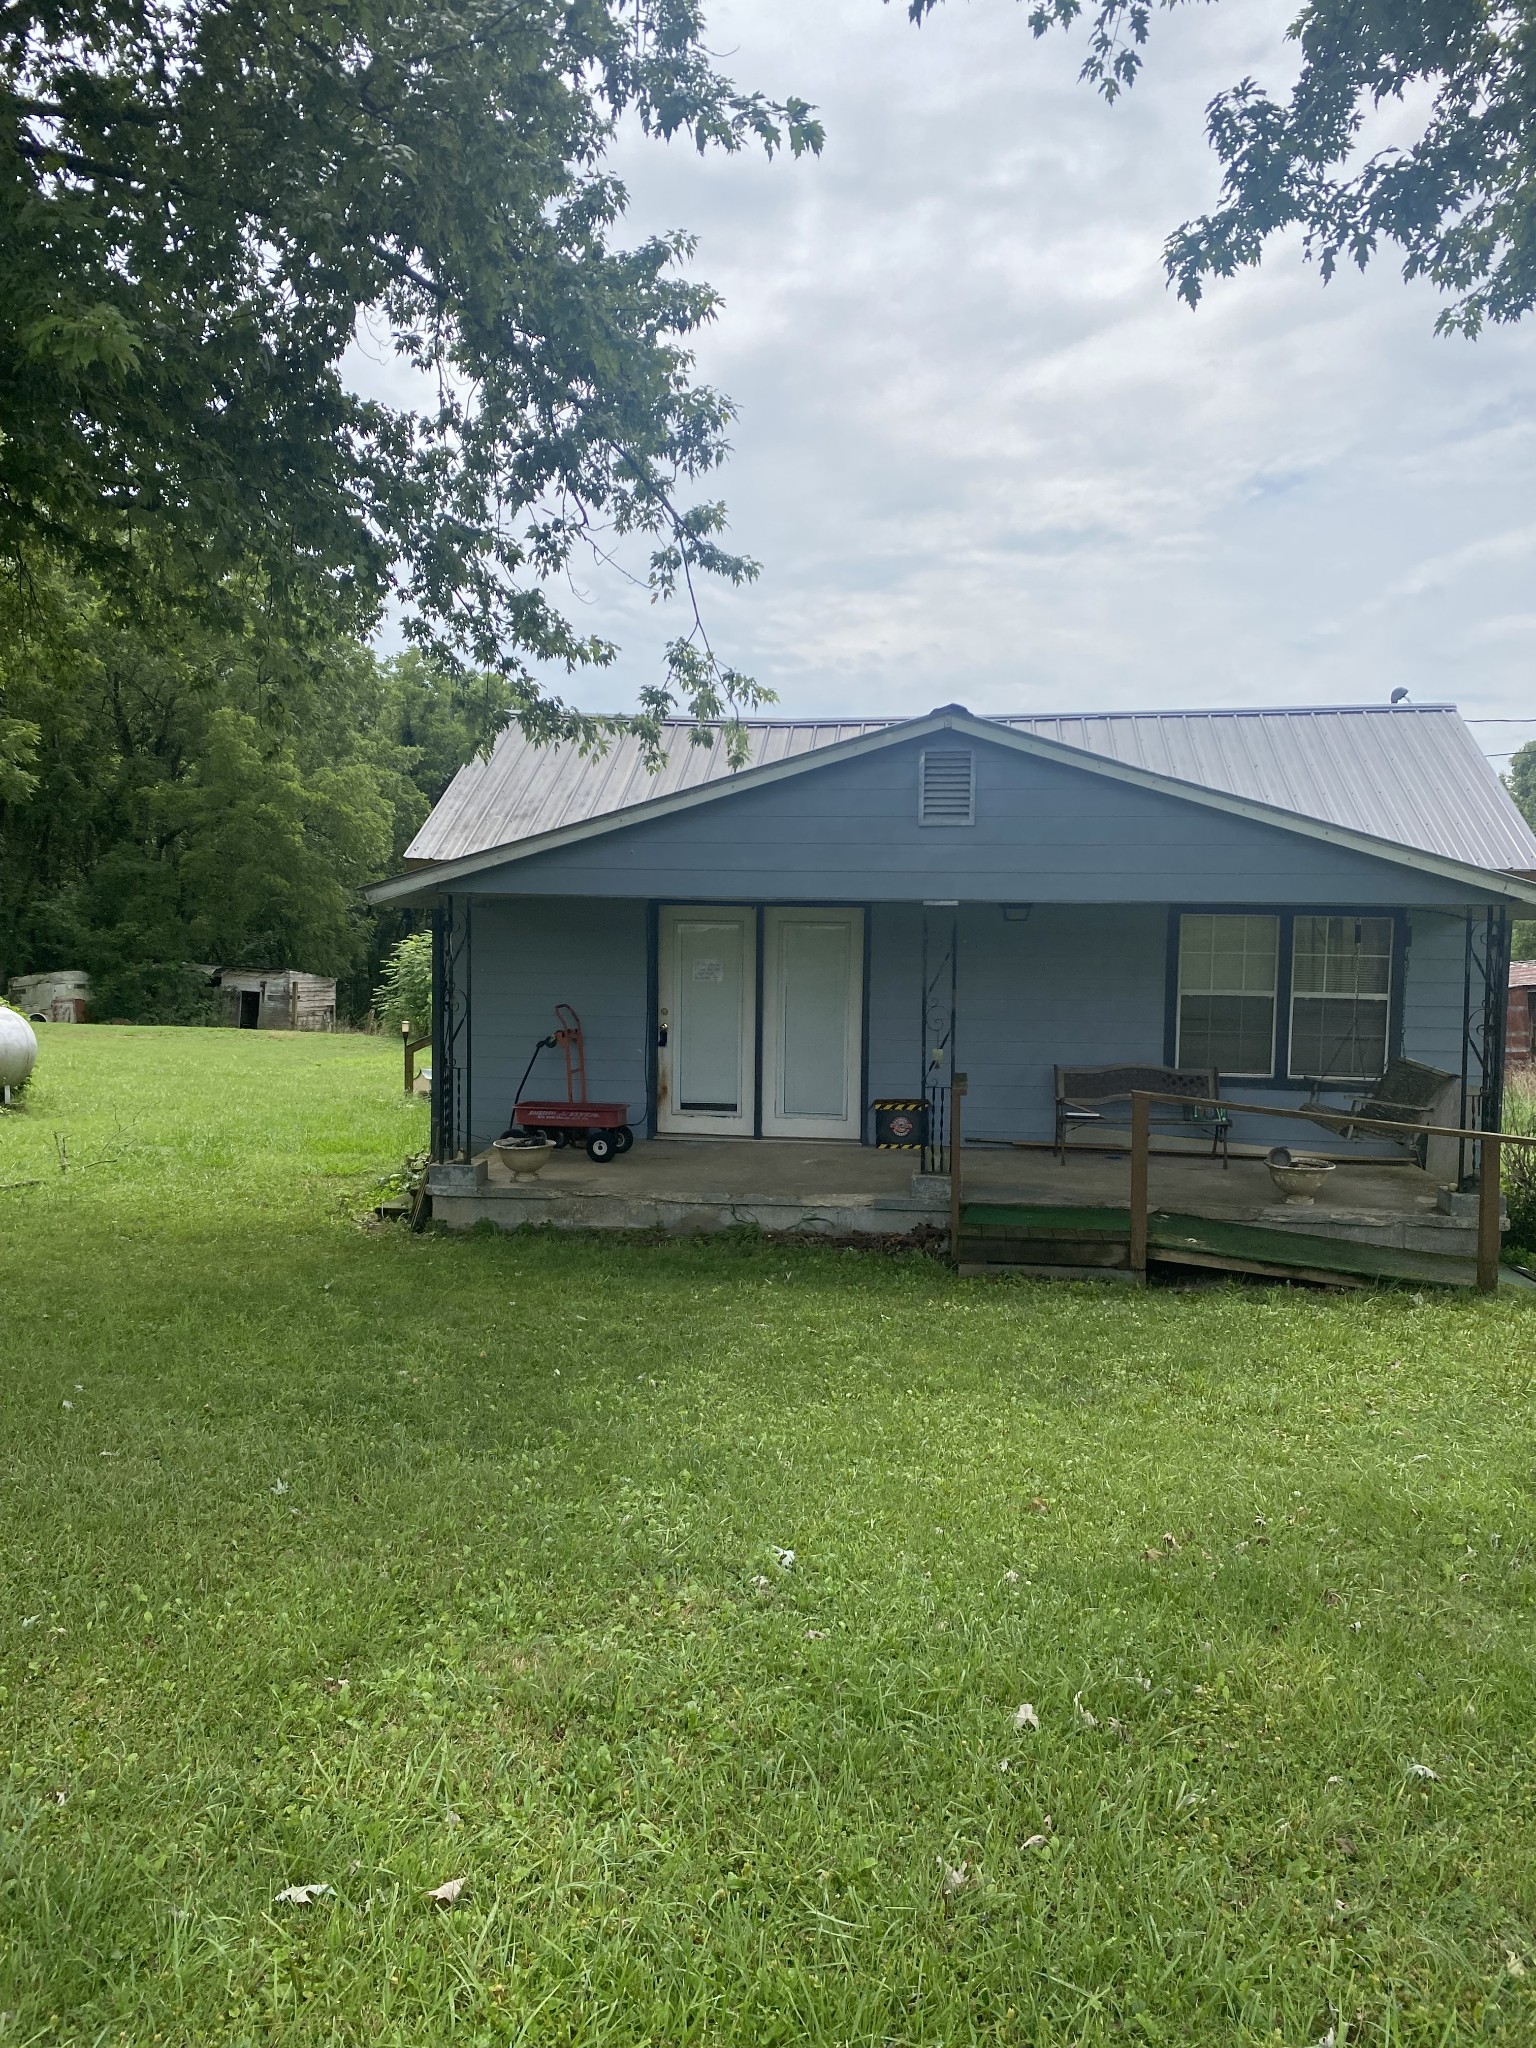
1412	775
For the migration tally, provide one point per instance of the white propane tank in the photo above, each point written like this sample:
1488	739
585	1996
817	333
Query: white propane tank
18	1050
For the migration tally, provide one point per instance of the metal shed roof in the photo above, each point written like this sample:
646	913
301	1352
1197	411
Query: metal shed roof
1412	775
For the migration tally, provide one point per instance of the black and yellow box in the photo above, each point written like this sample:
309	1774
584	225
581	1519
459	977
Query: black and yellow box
900	1126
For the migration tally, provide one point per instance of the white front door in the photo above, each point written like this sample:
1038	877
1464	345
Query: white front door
707	1013
813	1023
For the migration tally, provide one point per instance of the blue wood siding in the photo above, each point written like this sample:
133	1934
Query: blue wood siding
530	954
1065	985
1046	833
1433	989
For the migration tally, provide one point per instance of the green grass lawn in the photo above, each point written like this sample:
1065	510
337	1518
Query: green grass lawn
329	1555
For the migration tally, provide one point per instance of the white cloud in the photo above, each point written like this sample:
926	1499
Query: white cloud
985	454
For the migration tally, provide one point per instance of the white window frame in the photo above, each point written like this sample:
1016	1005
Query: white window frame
1237	1073
1384	996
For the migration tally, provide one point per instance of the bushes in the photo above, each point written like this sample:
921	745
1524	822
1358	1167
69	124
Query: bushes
404	993
1520	1162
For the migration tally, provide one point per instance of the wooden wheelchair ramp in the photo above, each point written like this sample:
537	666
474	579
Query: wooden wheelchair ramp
1091	1244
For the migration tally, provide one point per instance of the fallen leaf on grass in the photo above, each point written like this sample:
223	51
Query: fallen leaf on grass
786	1559
446	1894
1039	1506
1423	1771
1513	1964
302	1894
1042	1841
956	1879
815	1635
1026	1717
1010	1578
1084	1718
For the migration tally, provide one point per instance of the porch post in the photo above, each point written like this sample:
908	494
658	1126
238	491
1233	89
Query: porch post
957	1090
439	1094
1488	1180
1141	1139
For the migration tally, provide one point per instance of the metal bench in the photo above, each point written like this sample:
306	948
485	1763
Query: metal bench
1083	1094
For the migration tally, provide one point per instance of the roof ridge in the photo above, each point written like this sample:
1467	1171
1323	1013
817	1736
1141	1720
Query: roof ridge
1030	717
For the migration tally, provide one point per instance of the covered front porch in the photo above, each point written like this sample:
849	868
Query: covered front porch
1021	1207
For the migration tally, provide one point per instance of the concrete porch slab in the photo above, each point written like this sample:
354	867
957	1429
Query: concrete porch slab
685	1186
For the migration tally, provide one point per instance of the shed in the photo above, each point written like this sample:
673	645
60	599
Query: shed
276	999
1520	1037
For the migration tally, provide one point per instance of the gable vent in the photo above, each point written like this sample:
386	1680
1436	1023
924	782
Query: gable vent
946	788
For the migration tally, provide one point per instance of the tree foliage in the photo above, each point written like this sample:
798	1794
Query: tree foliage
1459	200
404	993
202	205
194	794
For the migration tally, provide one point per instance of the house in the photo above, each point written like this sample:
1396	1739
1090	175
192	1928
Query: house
1291	897
275	999
1520	1030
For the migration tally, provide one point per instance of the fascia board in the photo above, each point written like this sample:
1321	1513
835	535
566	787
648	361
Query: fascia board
441	876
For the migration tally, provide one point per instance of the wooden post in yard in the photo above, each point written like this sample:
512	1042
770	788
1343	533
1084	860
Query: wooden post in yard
957	1089
1488	1179
1141	1140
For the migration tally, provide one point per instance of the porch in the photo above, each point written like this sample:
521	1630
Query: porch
1021	1208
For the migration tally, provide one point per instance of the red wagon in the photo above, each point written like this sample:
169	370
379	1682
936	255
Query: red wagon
602	1125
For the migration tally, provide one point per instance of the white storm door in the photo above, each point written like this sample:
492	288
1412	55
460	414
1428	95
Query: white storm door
707	1003
813	1023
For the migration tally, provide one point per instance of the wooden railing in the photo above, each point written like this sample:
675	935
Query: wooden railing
1492	1144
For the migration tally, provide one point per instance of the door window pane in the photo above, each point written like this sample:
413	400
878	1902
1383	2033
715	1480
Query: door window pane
1341	988
814	976
708	1031
1227	970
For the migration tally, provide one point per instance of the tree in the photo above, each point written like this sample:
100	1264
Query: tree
201	205
196	794
404	994
1459	201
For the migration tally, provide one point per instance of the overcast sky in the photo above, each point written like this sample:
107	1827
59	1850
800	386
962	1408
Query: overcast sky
985	455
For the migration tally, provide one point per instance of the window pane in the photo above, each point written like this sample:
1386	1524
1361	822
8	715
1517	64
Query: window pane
1342	956
1338	1038
1196	938
1228	955
1234	1034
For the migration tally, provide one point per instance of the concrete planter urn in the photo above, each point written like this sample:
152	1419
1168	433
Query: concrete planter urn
18	1051
1298	1175
526	1156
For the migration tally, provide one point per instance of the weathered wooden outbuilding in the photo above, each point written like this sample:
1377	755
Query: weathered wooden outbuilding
276	999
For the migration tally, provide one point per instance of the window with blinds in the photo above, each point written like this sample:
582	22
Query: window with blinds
1228	980
1341	998
946	787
